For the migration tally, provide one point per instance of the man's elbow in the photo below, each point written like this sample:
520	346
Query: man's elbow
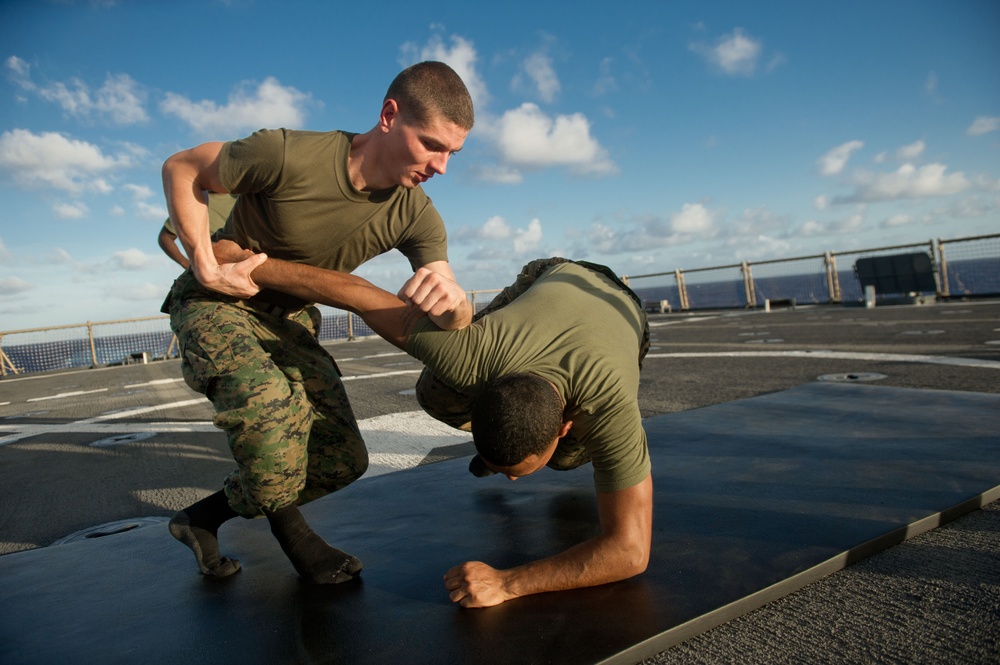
636	560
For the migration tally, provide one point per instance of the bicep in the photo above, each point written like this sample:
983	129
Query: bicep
628	513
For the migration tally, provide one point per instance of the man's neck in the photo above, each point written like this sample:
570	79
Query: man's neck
362	163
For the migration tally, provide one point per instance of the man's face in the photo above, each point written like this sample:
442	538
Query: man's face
528	465
419	152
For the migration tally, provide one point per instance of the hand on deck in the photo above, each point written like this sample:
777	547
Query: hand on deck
475	584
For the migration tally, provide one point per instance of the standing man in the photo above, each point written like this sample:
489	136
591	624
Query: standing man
332	200
547	375
219	206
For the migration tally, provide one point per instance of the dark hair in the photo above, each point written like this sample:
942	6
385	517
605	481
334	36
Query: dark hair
428	89
515	416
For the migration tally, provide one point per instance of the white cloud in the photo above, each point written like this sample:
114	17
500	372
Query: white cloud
130	259
528	240
269	105
538	68
693	218
835	160
528	138
983	125
909	182
931	84
120	99
4	252
821	202
736	53
460	56
495	228
502	175
52	160
13	285
910	152
75	210
139	192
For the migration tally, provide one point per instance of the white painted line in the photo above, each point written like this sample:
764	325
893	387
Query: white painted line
73	394
145	409
375	355
4	403
381	374
395	441
157	382
838	355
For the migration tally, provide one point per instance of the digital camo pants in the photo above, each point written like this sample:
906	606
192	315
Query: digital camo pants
278	395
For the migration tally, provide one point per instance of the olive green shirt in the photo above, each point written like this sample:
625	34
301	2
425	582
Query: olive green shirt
577	329
296	202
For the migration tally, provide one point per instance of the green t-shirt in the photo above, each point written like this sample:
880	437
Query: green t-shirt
219	206
581	331
296	202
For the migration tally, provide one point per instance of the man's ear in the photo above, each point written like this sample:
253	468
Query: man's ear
388	115
565	428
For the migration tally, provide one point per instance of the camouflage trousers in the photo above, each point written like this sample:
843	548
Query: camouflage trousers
454	407
278	395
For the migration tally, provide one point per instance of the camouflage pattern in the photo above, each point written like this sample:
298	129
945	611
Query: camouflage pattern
276	392
454	407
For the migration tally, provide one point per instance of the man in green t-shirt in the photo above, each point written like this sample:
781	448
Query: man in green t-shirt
546	375
219	206
326	199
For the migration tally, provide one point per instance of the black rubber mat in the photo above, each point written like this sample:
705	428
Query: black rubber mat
753	499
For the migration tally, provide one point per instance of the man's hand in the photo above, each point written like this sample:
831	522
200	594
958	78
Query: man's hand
433	291
231	279
475	584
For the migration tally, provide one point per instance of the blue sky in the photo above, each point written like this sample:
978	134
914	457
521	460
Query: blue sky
646	136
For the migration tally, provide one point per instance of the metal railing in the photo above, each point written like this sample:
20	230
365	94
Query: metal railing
962	266
127	341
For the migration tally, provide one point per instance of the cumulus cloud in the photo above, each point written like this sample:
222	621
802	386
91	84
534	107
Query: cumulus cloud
496	232
539	70
75	210
52	160
4	252
529	239
834	161
983	125
528	138
270	104
911	152
495	228
692	222
130	259
735	54
141	195
460	55
120	99
909	182
10	286
694	218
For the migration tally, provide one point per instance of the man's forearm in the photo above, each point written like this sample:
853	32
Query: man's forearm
621	551
381	310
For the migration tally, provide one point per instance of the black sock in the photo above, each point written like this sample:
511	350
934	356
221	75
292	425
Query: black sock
197	526
313	559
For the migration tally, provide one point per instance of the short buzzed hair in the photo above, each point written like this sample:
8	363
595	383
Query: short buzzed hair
515	416
429	89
